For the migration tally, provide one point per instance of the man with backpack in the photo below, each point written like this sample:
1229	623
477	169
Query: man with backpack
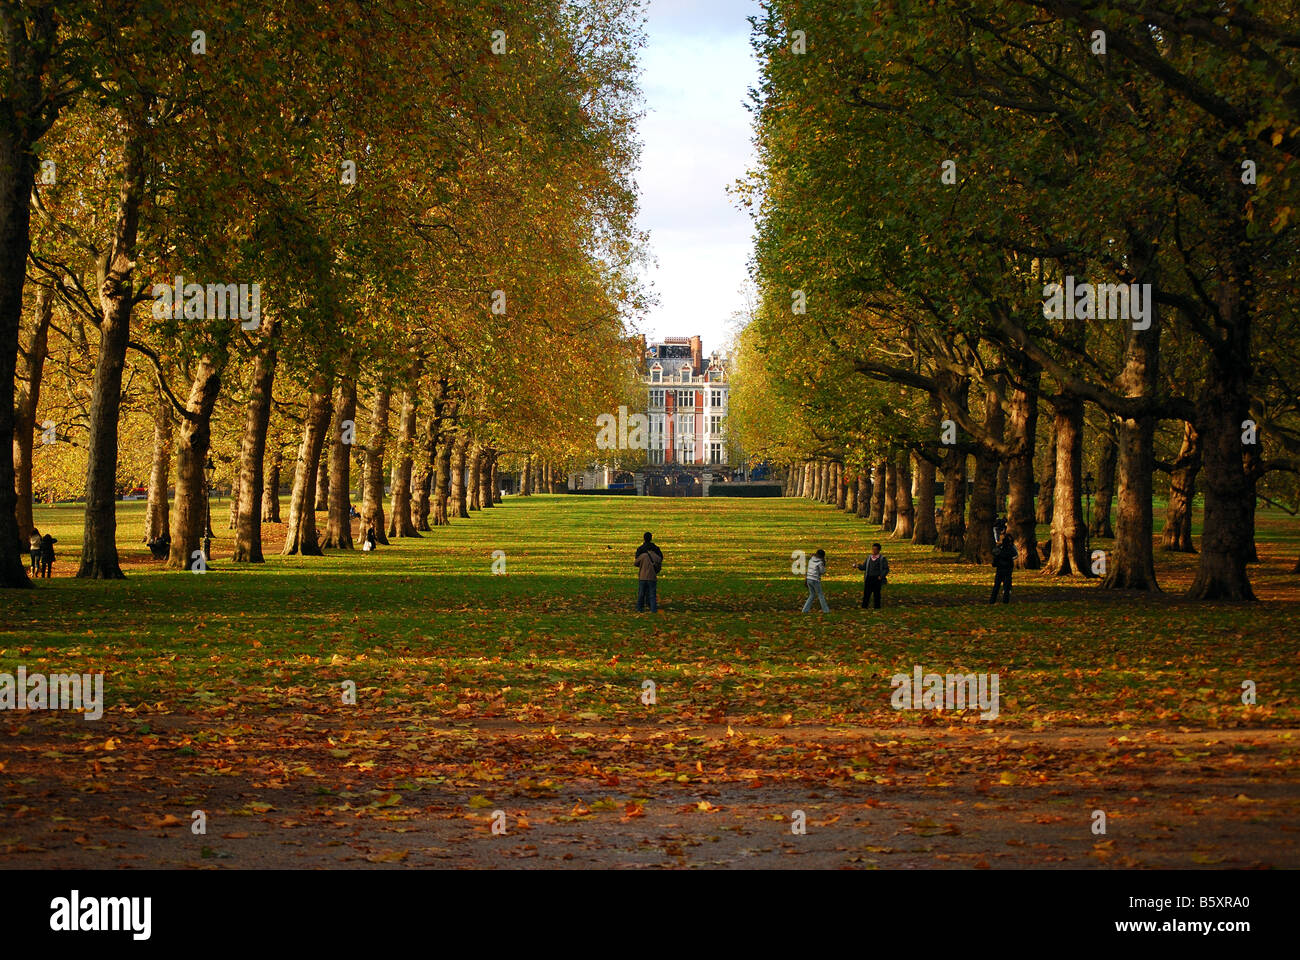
649	561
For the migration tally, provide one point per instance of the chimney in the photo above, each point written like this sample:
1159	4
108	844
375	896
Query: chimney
697	355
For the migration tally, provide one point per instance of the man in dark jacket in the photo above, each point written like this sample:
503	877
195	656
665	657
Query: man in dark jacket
1004	561
649	560
875	569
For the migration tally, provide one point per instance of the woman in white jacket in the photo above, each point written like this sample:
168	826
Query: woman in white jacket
813	579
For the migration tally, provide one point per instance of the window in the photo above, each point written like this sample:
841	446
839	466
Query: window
686	399
683	452
685	423
717	398
685	371
715	453
715	425
656	374
656	399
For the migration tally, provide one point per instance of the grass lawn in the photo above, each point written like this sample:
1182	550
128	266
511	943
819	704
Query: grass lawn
522	693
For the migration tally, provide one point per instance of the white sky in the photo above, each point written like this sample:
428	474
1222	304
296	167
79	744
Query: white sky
697	140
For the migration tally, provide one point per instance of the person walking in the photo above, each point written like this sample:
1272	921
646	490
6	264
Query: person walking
813	580
875	575
648	562
1004	561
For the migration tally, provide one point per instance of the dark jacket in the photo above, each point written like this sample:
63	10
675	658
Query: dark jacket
1005	554
47	547
652	546
875	566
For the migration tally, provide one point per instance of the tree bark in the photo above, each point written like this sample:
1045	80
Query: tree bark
190	520
977	546
424	476
841	490
877	511
952	522
850	493
474	486
1069	555
232	518
1047	486
525	477
338	525
458	499
252	452
890	513
372	504
400	524
1177	534
906	516
1100	525
157	520
28	401
485	479
496	486
271	488
323	471
28	113
301	536
864	492
925	530
116	294
1022	423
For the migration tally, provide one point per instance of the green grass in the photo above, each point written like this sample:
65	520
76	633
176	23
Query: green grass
424	628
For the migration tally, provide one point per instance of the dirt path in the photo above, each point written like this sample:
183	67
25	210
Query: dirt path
317	792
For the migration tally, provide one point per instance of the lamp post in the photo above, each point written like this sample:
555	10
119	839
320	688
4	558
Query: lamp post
209	471
1087	512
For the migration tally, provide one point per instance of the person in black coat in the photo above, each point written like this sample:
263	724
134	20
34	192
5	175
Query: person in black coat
47	556
1004	561
875	571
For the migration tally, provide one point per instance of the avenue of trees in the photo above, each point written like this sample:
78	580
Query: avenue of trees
925	171
429	206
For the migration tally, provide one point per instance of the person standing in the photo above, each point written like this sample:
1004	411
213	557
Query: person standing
875	575
1004	561
813	580
649	561
34	550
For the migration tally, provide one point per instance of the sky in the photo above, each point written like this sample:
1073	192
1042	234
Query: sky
696	141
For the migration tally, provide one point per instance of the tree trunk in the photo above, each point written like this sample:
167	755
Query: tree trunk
485	479
1047	486
1003	489
190	519
1177	534
271	488
525	478
1131	565
323	471
458	499
977	547
28	401
890	512
877	514
116	291
841	489
1100	526
864	492
474	486
338	525
400	524
157	520
952	522
28	112
1022	423
1069	555
252	453
301	537
850	493
925	530
232	518
424	476
905	522
372	504
496	486
1227	531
